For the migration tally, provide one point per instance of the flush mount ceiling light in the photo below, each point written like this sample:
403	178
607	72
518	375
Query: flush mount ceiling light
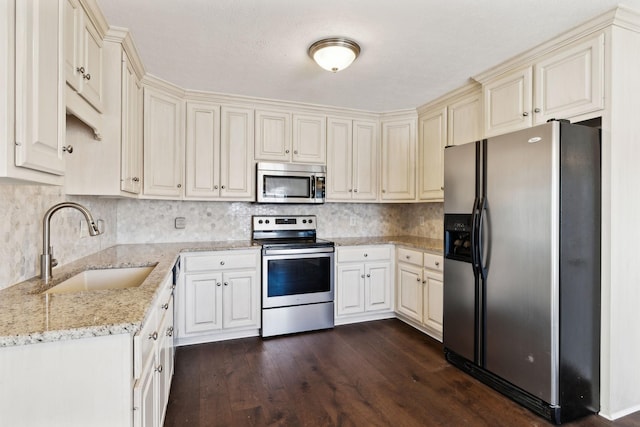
334	54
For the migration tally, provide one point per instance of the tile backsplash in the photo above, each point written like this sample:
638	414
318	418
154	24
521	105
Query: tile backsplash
151	221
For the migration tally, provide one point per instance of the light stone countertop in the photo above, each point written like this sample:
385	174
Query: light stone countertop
27	316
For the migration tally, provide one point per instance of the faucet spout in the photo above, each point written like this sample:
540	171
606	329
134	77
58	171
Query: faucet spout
46	259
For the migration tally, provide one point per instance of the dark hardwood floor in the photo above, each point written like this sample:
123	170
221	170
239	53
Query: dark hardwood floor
381	373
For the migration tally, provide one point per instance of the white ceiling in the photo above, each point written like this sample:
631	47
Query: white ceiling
412	50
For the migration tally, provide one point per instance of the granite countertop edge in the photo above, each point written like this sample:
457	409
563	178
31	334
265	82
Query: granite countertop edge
29	316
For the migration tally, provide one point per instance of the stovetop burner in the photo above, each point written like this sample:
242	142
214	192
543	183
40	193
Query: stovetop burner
297	231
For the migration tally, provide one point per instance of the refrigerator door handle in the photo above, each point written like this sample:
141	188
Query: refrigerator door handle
474	237
481	266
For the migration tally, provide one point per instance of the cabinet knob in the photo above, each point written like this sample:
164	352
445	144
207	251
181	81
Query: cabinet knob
222	187
221	262
295	151
159	369
286	151
135	179
68	149
537	110
170	331
226	283
366	255
368	275
80	70
355	190
362	276
215	187
442	188
384	191
218	284
87	76
350	190
408	256
424	281
418	279
179	185
525	114
153	336
165	306
437	263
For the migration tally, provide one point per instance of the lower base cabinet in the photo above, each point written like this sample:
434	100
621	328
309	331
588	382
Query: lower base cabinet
364	283
111	380
419	290
218	296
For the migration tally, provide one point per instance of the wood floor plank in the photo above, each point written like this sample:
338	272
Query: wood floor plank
381	373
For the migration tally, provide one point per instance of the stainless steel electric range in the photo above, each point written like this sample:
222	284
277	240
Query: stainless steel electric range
297	275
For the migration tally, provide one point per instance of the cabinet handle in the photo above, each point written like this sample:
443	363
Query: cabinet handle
80	70
221	262
525	114
135	179
442	188
418	279
170	331
179	185
355	190
368	275
424	281
159	369
218	284
153	336
68	149
537	110
286	151
222	187
366	255
165	306
87	76
226	283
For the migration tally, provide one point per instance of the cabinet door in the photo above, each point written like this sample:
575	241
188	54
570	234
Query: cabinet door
432	138
131	132
409	299
339	159
164	370
39	104
202	303
378	286
237	172
144	396
241	299
309	139
73	17
365	160
465	120
398	160
92	79
570	82
350	289
507	103
273	136
163	144
433	302
202	166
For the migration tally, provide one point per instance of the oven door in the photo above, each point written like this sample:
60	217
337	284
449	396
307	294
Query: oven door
297	276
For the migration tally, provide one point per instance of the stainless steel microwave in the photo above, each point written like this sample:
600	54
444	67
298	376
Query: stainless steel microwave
290	183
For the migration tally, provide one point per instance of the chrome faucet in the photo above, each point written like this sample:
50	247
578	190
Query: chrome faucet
46	259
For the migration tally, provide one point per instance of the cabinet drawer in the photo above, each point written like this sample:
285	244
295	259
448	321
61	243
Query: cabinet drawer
364	253
410	256
433	262
221	260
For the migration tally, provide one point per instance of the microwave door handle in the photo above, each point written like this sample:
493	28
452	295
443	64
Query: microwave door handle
313	186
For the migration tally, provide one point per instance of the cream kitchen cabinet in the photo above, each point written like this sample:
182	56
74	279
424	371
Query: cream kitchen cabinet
218	169
219	297
113	166
32	95
352	164
453	119
565	83
83	64
364	283
398	160
290	137
163	144
419	299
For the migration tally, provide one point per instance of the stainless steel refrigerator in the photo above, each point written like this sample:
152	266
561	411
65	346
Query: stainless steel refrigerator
522	266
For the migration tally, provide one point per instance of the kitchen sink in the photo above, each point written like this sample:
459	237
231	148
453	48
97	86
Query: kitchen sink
106	278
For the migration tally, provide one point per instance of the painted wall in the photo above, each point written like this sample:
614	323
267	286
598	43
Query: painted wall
140	221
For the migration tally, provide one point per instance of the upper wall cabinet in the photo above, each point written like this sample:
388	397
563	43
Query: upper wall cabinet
163	144
563	84
352	163
398	160
83	65
285	137
465	119
31	99
432	138
218	152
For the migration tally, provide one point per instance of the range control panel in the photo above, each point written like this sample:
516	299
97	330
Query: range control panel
276	222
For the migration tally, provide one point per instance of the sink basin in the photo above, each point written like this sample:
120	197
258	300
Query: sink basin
106	278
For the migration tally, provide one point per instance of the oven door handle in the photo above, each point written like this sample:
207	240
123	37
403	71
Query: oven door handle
297	251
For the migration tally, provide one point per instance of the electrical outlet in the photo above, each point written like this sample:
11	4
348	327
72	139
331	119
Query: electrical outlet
82	229
180	222
353	221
